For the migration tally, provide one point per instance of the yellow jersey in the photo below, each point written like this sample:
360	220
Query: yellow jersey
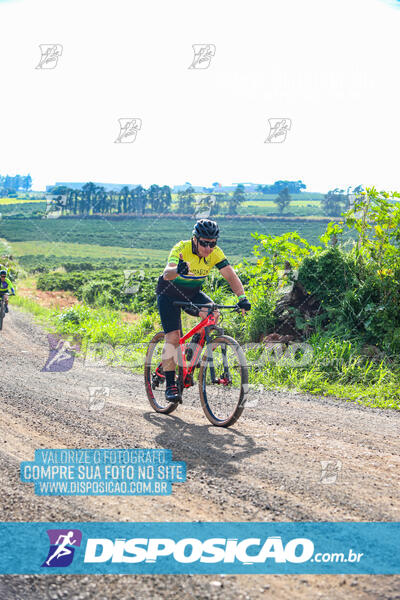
198	265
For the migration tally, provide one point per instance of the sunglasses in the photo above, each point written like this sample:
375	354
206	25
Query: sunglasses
205	244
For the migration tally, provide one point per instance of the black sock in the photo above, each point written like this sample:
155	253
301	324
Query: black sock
170	377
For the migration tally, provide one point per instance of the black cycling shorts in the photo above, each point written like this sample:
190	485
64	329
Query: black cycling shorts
171	315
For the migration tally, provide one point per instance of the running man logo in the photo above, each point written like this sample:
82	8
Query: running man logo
97	397
50	55
133	279
61	551
55	205
61	355
203	54
203	205
128	130
278	129
330	470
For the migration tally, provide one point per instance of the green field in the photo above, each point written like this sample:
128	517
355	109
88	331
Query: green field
271	204
22	209
86	251
302	205
302	197
5	201
298	208
152	238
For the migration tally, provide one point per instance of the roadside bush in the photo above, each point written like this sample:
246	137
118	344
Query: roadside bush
73	316
92	290
79	266
328	275
61	281
359	286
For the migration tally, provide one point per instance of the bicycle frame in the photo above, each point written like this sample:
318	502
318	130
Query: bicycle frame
187	369
208	321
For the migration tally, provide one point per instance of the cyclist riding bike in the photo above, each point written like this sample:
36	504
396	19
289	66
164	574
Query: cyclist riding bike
5	285
189	263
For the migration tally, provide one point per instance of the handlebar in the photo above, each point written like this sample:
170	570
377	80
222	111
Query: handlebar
210	306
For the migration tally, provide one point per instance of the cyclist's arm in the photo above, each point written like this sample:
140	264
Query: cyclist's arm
229	274
10	285
170	272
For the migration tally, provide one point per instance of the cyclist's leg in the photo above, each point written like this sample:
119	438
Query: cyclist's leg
170	320
202	298
6	302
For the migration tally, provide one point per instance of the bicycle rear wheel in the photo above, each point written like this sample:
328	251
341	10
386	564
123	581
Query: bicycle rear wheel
154	378
2	312
223	396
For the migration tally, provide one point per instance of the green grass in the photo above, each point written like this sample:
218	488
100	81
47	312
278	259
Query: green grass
42	313
146	239
24	208
90	251
5	201
300	197
298	209
271	204
335	368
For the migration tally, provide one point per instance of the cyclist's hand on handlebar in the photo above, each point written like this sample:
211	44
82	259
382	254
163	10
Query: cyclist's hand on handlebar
183	266
244	305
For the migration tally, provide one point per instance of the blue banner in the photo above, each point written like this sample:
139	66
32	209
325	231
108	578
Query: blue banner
159	548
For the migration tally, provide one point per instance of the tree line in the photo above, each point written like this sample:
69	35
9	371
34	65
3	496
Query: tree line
12	184
92	199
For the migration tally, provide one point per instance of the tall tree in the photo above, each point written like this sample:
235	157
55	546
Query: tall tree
26	182
283	200
154	198
88	197
334	202
166	198
186	201
236	200
99	203
141	199
124	193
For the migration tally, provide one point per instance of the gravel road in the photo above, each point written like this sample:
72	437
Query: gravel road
267	467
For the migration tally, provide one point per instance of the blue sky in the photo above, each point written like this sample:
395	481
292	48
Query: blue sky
329	67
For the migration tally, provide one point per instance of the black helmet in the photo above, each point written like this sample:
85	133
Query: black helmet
3	272
206	228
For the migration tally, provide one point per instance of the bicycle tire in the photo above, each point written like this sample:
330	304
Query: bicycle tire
2	313
148	378
239	390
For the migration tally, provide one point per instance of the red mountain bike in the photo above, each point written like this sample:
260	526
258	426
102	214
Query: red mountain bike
2	310
222	375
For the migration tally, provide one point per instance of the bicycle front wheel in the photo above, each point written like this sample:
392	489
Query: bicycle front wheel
223	380
154	378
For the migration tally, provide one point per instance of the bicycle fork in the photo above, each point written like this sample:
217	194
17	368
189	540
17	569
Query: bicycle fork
225	379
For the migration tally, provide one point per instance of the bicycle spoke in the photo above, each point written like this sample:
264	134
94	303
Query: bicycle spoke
221	386
154	376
